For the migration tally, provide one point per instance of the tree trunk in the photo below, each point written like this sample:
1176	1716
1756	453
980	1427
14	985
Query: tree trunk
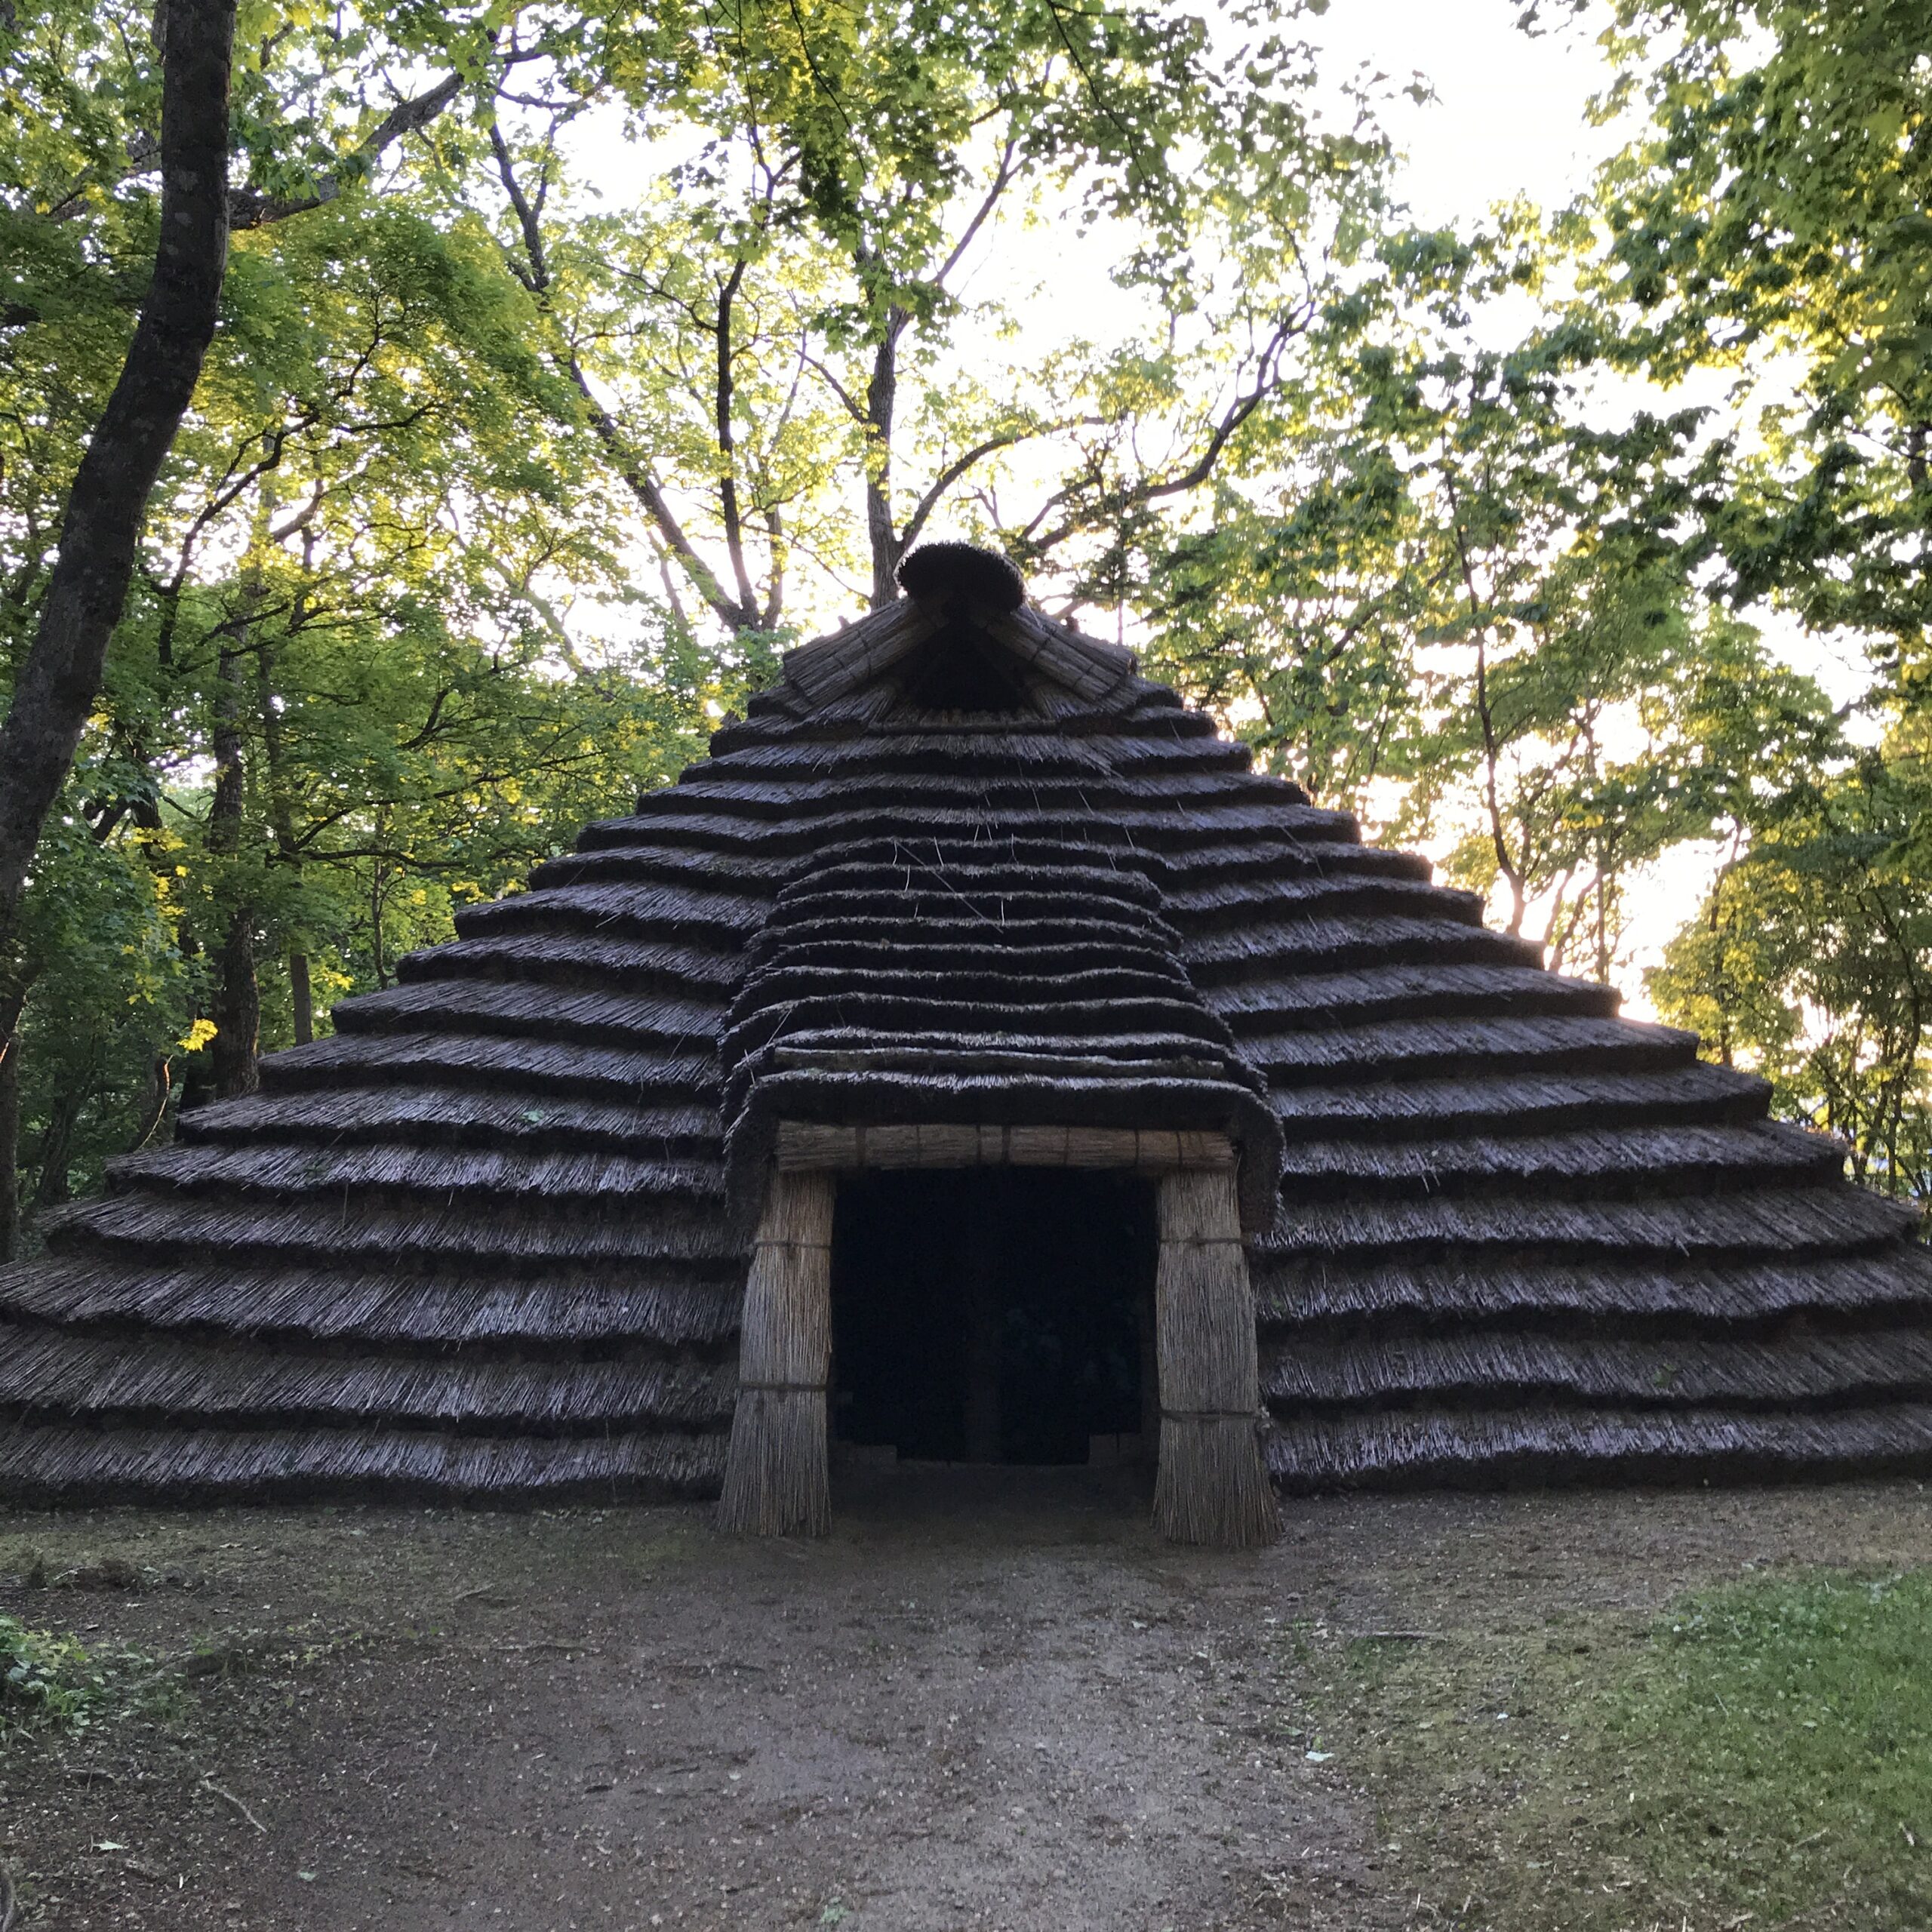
301	998
238	1004
882	403
375	942
238	1011
52	1190
9	1132
57	686
282	816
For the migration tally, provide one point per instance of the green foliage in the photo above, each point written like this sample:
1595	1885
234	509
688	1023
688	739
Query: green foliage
572	358
111	996
1811	961
766	338
1453	600
378	589
501	474
1781	205
45	1679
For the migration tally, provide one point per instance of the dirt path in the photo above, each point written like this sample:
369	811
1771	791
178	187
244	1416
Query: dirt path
998	1703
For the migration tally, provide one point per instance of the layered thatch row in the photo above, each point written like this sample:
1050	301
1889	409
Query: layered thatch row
493	1235
1014	982
475	1241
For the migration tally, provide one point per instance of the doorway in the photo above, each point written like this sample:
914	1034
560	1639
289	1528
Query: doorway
992	1315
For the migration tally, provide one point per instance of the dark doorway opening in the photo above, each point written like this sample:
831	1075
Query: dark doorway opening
991	1314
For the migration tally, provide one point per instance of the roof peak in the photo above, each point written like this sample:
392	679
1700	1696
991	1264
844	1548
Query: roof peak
955	574
881	644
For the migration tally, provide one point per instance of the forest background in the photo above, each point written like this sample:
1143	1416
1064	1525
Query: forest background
574	362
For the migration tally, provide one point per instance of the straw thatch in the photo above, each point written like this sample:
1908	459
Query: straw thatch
963	870
776	1476
1211	1486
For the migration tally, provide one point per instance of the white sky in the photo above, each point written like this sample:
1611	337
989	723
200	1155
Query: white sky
1510	117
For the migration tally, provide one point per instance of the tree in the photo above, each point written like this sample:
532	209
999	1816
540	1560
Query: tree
101	522
1811	963
558	382
765	341
1448	597
357	470
1771	222
1779	206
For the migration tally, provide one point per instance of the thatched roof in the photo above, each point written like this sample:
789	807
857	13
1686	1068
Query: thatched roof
492	1237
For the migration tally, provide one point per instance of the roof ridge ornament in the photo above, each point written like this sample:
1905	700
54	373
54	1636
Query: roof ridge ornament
953	574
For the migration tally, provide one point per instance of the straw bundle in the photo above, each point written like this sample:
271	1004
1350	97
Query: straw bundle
777	1482
1212	1486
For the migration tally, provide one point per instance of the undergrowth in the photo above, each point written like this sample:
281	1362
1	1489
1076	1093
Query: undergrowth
46	1677
1760	1756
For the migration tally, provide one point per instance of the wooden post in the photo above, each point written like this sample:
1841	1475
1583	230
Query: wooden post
775	1479
1211	1486
1150	1374
979	1288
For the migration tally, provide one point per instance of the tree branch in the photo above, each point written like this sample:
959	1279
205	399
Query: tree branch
636	476
249	207
643	486
854	407
537	276
1232	417
1002	179
728	480
951	473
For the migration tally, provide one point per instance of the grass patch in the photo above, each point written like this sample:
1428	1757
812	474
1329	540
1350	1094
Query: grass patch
1759	1756
1799	1717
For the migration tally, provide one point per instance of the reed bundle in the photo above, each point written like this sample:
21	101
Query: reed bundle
777	1480
1211	1486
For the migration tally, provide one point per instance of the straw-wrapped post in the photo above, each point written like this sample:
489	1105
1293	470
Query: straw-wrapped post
1212	1486
777	1482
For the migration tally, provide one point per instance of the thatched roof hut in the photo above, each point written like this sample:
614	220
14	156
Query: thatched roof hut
976	944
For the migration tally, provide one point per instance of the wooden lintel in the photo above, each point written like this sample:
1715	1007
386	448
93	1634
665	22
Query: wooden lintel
803	1147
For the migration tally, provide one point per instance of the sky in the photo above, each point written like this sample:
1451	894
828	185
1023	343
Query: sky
1510	113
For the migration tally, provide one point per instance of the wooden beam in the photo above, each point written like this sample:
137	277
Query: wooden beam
806	1148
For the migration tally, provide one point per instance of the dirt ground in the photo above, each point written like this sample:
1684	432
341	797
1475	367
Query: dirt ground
988	1700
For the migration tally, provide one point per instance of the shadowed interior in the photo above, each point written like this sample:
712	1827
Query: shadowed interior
991	1314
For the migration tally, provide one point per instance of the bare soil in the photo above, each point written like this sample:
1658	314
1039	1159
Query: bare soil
988	1700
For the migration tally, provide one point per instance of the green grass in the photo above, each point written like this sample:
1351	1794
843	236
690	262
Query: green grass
1759	1756
1796	1720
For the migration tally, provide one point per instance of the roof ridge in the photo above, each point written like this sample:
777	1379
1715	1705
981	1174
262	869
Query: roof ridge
832	667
